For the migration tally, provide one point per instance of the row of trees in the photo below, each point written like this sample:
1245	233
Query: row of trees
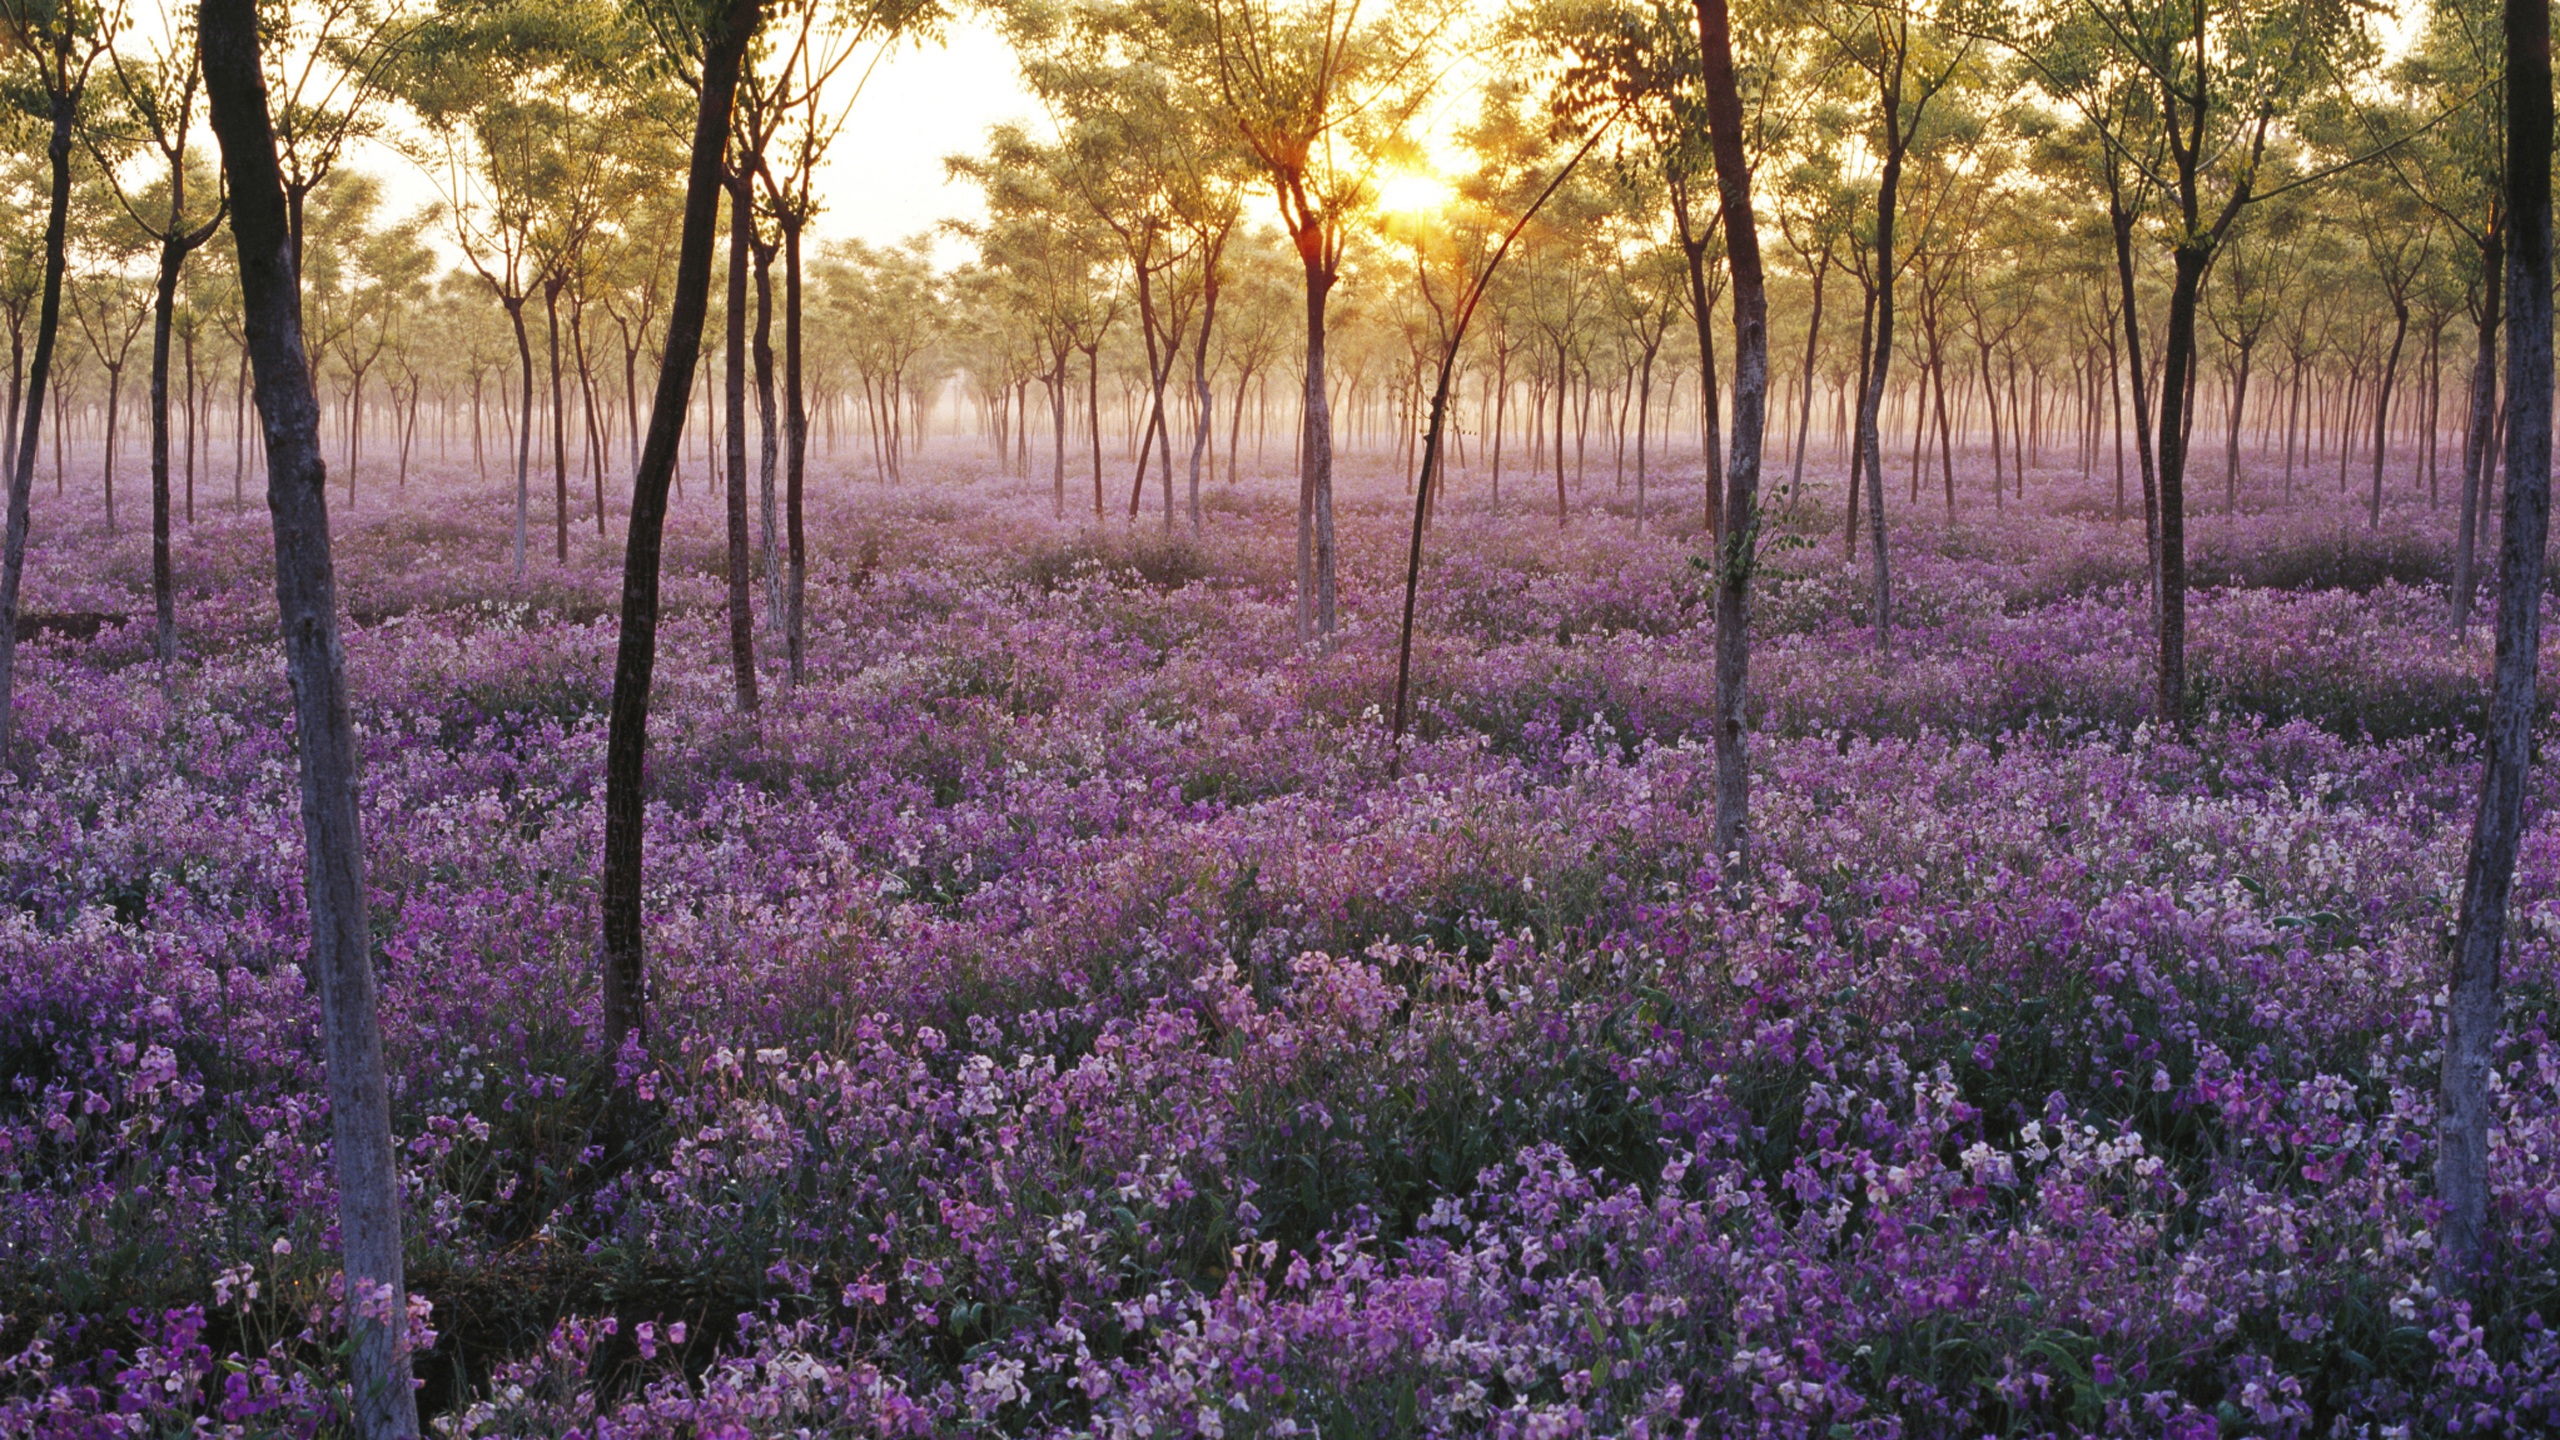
1915	151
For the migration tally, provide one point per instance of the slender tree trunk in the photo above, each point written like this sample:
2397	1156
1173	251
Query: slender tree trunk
795	433
2178	361
524	431
1871	403
1750	400
1812	347
636	655
742	628
22	474
2120	222
769	444
1200	420
367	1169
2231	450
1849	429
115	398
355	422
1562	386
164	307
2475	437
2382	408
559	427
2464	1241
1093	415
1315	471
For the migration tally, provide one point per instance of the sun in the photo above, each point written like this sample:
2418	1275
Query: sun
1412	193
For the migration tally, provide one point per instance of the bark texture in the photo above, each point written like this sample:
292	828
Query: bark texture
384	1401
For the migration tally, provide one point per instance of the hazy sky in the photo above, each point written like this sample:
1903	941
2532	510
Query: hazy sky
885	180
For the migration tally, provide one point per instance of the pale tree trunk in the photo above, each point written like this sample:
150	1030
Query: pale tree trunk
2464	1121
385	1404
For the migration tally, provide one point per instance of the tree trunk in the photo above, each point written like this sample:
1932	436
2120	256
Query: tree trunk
22	474
2463	1239
2382	408
1804	412
2178	361
769	444
2475	438
636	654
742	629
1315	473
1093	416
164	305
559	426
1880	359
115	397
2231	450
369	1200
1200	422
1750	403
524	431
795	437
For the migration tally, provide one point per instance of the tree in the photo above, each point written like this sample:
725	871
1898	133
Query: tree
111	307
523	103
1910	62
61	42
720	41
159	98
2187	97
2471	1009
1736	553
811	121
369	1197
361	284
1316	90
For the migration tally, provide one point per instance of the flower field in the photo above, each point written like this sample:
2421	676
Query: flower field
1065	1025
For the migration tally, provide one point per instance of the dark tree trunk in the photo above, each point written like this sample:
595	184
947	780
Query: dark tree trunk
768	442
2178	356
524	430
1315	470
2382	408
2463	1239
164	305
742	628
22	475
2120	222
559	426
1812	345
2475	437
2231	449
1750	409
795	436
636	655
369	1201
1093	416
1879	362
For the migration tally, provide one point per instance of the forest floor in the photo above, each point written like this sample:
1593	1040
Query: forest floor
1064	1024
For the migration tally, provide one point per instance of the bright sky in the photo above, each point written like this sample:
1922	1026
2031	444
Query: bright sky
885	179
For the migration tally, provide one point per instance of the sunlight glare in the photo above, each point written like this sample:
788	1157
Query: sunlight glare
1412	194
